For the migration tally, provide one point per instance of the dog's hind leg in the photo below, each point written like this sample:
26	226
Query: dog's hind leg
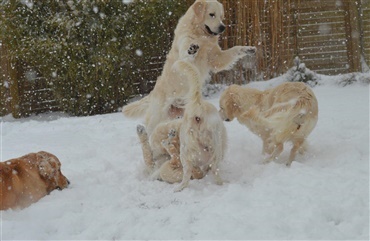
216	174
171	171
278	149
266	147
302	149
147	151
171	144
187	172
296	146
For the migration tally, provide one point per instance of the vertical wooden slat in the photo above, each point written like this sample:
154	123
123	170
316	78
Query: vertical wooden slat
4	90
10	89
14	89
353	35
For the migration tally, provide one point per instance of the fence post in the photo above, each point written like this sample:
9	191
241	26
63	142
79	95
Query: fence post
11	76
352	20
365	14
9	84
14	90
4	103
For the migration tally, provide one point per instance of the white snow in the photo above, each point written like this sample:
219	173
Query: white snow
323	195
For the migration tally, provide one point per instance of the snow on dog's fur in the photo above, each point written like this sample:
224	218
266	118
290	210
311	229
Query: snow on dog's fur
27	179
200	26
196	143
288	112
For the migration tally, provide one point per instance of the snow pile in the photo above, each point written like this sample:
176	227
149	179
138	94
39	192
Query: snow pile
324	195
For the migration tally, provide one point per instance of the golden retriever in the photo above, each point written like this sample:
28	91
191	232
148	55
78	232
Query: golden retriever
198	140
27	179
288	112
161	152
199	28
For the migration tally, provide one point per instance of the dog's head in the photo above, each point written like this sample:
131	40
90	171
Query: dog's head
49	169
230	103
209	15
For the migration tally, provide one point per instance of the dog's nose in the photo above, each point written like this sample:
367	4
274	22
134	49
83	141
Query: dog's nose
227	120
68	182
221	28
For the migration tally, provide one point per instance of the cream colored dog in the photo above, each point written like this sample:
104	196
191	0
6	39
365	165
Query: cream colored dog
288	112
199	28
195	144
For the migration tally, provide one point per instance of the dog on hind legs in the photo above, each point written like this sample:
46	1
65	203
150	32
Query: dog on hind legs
288	112
200	27
193	145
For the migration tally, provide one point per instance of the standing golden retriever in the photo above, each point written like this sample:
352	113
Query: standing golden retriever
288	112
199	28
27	179
196	143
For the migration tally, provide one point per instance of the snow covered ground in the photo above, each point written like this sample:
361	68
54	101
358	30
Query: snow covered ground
324	195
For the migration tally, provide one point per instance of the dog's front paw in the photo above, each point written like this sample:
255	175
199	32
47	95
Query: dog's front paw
172	133
140	129
193	49
249	50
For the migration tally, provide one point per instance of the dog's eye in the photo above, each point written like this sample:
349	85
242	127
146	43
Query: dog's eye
212	15
197	119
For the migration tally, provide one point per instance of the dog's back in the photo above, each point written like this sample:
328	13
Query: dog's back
294	111
19	184
27	179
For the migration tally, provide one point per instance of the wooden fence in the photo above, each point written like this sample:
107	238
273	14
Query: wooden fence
22	91
331	37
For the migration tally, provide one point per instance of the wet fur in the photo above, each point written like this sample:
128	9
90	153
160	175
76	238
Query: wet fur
288	112
27	179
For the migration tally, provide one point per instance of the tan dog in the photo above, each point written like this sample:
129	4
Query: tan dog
162	152
201	143
199	28
288	112
27	179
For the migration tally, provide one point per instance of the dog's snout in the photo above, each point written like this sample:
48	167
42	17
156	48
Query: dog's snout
221	28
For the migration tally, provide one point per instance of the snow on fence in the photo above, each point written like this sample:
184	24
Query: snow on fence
331	37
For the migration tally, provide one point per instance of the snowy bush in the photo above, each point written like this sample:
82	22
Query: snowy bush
300	73
92	53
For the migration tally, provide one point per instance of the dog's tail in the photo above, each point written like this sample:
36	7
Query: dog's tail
186	68
137	109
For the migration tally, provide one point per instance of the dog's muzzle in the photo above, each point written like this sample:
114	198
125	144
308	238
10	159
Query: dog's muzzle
220	30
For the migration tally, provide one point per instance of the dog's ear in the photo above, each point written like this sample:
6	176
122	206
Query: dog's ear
232	101
45	168
199	8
